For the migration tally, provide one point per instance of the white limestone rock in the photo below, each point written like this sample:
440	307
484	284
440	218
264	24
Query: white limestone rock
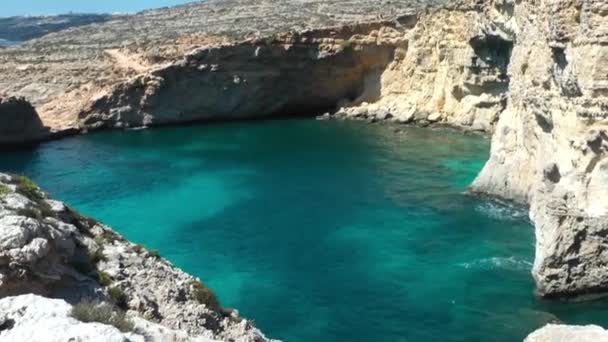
37	319
568	333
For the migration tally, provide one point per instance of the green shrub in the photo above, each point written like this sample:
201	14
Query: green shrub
29	212
154	253
45	209
104	278
106	237
37	213
83	223
118	296
89	311
138	249
98	255
204	295
4	190
27	188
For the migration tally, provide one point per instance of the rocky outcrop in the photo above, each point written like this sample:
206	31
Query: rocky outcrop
568	333
291	74
448	65
452	70
36	319
20	122
550	144
49	250
62	73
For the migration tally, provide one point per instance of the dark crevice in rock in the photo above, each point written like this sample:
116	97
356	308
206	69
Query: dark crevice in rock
492	52
7	324
562	75
552	173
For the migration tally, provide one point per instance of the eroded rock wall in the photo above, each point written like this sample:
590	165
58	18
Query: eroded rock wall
550	145
454	70
290	74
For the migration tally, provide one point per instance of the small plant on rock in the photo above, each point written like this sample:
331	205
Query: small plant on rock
97	255
4	190
104	278
29	212
118	296
204	295
154	253
138	249
83	223
45	209
105	237
90	311
27	188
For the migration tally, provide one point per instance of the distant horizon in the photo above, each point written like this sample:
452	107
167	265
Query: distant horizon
35	8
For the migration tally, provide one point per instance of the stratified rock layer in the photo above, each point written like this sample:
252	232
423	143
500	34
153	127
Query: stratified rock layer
550	144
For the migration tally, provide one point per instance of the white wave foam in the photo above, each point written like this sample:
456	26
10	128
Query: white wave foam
502	211
508	263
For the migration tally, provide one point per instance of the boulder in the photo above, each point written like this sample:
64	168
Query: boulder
20	122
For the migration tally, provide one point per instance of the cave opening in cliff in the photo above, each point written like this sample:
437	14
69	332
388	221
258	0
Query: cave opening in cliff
492	52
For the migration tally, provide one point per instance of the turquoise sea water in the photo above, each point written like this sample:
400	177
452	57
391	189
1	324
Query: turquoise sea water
318	231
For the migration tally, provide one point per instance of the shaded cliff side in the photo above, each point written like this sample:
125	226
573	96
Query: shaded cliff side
20	122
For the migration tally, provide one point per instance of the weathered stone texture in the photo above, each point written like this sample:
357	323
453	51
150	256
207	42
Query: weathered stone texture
48	249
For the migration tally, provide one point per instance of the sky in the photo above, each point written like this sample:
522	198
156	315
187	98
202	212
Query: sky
9	8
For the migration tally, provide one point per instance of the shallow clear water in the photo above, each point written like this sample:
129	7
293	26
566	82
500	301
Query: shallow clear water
319	231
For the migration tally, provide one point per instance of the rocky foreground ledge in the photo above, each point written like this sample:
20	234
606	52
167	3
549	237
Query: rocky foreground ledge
65	277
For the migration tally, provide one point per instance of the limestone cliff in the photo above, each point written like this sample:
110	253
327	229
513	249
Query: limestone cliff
50	250
550	144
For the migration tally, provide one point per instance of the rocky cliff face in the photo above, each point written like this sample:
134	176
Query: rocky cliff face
291	74
550	144
49	250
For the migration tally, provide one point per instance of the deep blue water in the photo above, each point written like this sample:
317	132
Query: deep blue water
318	231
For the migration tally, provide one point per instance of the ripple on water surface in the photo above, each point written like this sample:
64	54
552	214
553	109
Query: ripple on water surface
319	231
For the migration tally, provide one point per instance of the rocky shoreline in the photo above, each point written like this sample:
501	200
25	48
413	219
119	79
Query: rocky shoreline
533	75
53	259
